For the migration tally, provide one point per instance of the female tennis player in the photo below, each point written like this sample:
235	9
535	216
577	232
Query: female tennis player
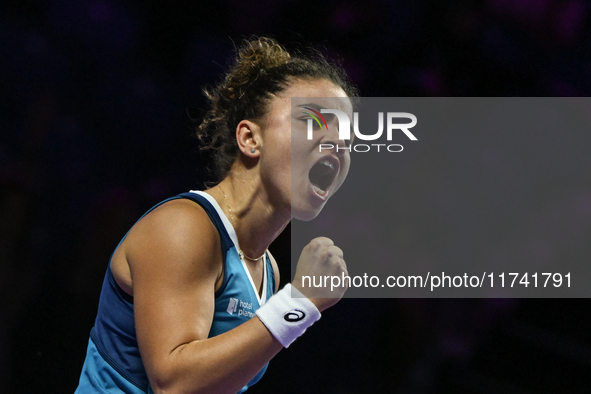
187	304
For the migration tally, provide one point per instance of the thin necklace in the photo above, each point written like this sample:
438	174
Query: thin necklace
240	252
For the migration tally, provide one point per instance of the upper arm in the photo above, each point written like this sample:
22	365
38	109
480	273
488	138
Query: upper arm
275	271
175	258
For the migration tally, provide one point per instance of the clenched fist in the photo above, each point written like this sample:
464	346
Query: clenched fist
320	263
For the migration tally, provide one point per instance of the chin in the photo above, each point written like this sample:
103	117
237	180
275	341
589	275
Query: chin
305	215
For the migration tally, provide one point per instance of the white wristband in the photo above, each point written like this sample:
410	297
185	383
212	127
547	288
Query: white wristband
287	318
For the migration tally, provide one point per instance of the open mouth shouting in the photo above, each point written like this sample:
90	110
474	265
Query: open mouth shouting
322	175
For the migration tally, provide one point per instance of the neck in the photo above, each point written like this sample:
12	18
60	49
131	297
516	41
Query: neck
255	219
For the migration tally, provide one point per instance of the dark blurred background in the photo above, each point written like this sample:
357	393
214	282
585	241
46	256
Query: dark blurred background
94	131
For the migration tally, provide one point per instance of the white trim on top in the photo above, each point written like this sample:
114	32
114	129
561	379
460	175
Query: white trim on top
230	229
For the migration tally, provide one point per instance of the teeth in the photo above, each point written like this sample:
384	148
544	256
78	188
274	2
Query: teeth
319	191
328	164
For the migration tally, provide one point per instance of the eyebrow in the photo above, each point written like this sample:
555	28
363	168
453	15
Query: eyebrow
315	106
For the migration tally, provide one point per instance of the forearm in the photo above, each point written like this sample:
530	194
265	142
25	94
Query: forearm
222	364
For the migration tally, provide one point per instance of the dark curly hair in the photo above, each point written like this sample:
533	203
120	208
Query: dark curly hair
262	69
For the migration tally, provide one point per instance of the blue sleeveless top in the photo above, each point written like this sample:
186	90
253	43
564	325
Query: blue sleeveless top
113	363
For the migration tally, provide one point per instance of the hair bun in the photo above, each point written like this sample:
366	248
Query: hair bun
254	58
261	54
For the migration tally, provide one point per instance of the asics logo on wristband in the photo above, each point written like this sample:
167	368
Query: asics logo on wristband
294	315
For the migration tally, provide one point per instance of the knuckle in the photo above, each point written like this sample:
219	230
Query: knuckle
315	243
324	241
336	251
335	264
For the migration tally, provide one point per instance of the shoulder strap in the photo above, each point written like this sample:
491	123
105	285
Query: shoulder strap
213	215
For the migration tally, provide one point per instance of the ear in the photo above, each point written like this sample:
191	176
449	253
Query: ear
248	136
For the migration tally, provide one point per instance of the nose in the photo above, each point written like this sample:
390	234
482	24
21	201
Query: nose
332	136
333	128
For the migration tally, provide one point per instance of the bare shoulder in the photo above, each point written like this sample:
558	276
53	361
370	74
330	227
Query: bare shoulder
176	238
275	270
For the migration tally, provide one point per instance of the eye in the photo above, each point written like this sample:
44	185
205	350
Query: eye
315	124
